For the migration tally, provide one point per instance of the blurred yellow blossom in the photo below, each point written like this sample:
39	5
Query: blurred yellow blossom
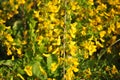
99	27
83	32
19	75
54	66
74	5
13	58
86	55
69	74
43	71
91	2
58	41
113	39
19	52
114	70
107	68
98	43
73	61
36	14
24	42
21	1
112	27
114	2
109	50
2	21
9	38
29	6
102	34
56	51
46	55
88	73
72	48
75	69
52	7
90	46
118	24
72	32
50	48
28	70
9	52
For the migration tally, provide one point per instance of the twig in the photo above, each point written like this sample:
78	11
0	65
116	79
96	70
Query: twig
64	37
100	56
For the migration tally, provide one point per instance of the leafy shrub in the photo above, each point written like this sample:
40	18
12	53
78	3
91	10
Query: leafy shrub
59	39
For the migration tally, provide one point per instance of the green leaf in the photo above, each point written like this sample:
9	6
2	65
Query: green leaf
36	69
42	48
49	61
6	63
21	71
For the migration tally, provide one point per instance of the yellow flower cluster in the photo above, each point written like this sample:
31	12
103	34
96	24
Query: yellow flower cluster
28	70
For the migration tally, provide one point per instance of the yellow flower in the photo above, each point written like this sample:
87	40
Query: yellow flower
92	49
107	68
73	29
13	58
73	5
50	48
86	55
99	27
52	7
114	70
75	61
98	19
113	39
19	51
83	32
57	32
2	21
69	74
70	60
21	1
36	14
7	44
28	70
19	75
56	51
113	2
102	34
54	66
43	71
52	17
112	27
9	38
58	41
91	2
89	45
102	40
75	69
73	26
72	48
88	73
24	42
118	24
29	6
98	44
109	30
9	52
51	79
46	55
